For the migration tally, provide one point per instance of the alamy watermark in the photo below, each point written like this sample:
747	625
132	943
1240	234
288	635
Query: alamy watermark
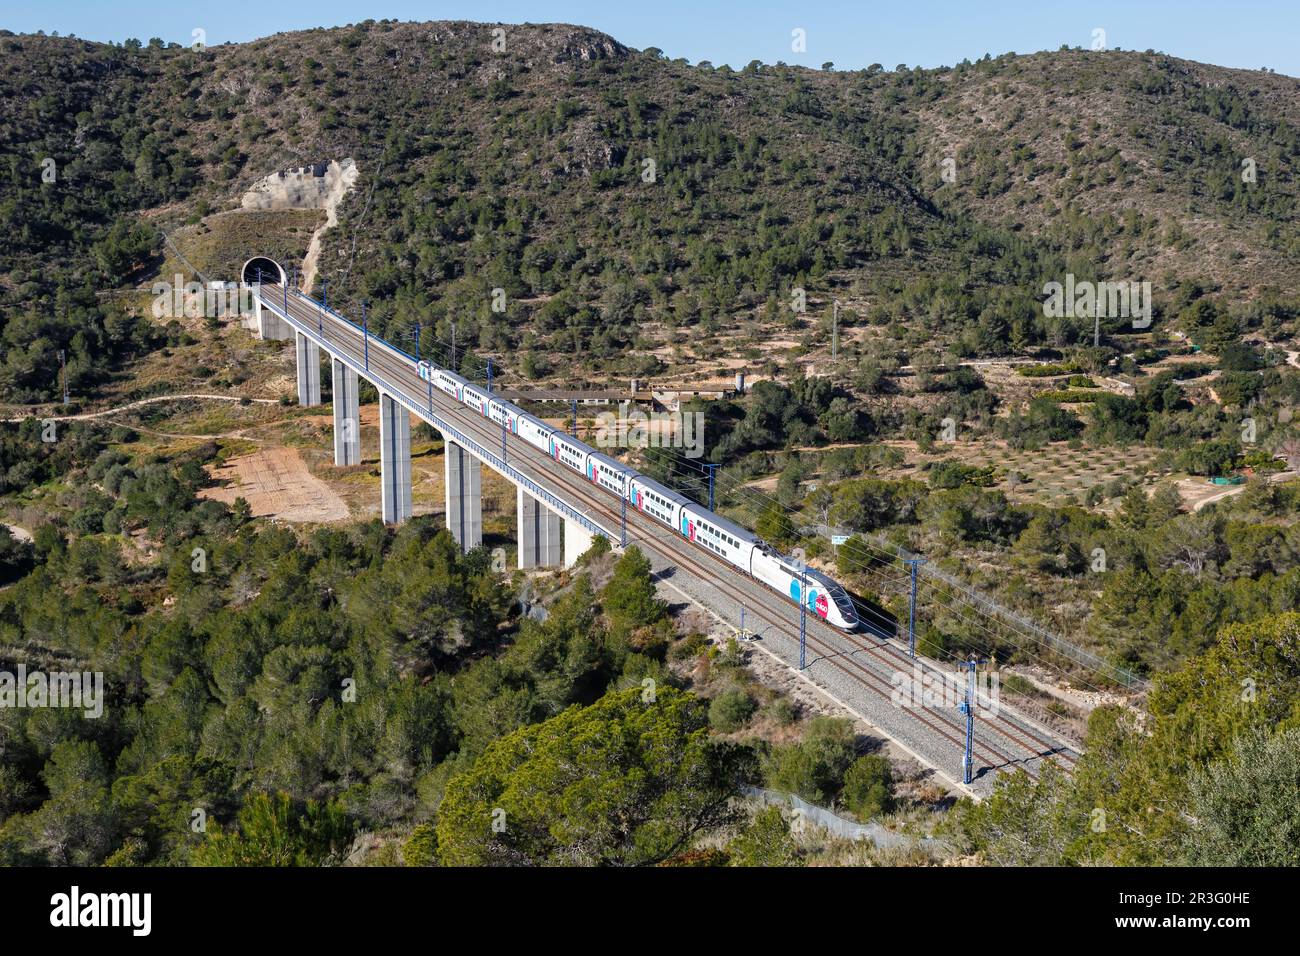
1104	300
934	689
133	911
83	690
637	429
181	299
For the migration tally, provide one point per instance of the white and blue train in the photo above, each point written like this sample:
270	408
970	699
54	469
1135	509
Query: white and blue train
735	545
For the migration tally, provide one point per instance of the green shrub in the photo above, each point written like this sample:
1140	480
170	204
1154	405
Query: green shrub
422	847
1048	370
731	654
1069	395
766	841
690	646
869	786
1015	684
1190	370
814	767
731	710
599	545
783	711
954	474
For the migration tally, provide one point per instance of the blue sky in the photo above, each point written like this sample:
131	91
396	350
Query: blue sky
1239	33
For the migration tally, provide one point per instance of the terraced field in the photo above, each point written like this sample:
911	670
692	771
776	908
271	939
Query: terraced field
1057	471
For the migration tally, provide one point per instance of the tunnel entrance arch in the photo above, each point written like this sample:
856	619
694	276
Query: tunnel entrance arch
271	271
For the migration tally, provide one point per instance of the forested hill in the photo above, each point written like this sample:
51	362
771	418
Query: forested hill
605	189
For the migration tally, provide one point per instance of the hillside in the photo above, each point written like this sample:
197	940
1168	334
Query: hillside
527	170
1112	529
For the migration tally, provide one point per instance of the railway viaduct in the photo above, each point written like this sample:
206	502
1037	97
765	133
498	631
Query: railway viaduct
549	529
560	512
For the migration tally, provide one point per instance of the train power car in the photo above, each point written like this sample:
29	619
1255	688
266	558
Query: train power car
825	598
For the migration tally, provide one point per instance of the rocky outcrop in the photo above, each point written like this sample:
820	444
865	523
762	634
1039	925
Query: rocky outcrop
318	186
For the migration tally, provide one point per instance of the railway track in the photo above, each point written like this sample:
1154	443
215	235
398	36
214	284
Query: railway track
873	666
822	638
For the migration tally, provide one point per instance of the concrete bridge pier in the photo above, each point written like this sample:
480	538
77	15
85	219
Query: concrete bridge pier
269	325
394	460
538	532
308	370
347	415
464	483
577	540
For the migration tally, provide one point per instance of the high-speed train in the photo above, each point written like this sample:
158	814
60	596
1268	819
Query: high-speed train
735	545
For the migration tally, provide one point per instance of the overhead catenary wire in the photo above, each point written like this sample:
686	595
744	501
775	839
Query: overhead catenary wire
933	592
727	485
1059	646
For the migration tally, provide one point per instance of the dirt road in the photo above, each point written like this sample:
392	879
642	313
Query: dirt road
276	483
117	409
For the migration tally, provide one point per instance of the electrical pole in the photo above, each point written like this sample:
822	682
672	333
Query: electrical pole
452	367
417	340
622	515
573	429
489	381
1096	328
365	334
63	372
968	709
712	469
258	287
803	614
911	607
